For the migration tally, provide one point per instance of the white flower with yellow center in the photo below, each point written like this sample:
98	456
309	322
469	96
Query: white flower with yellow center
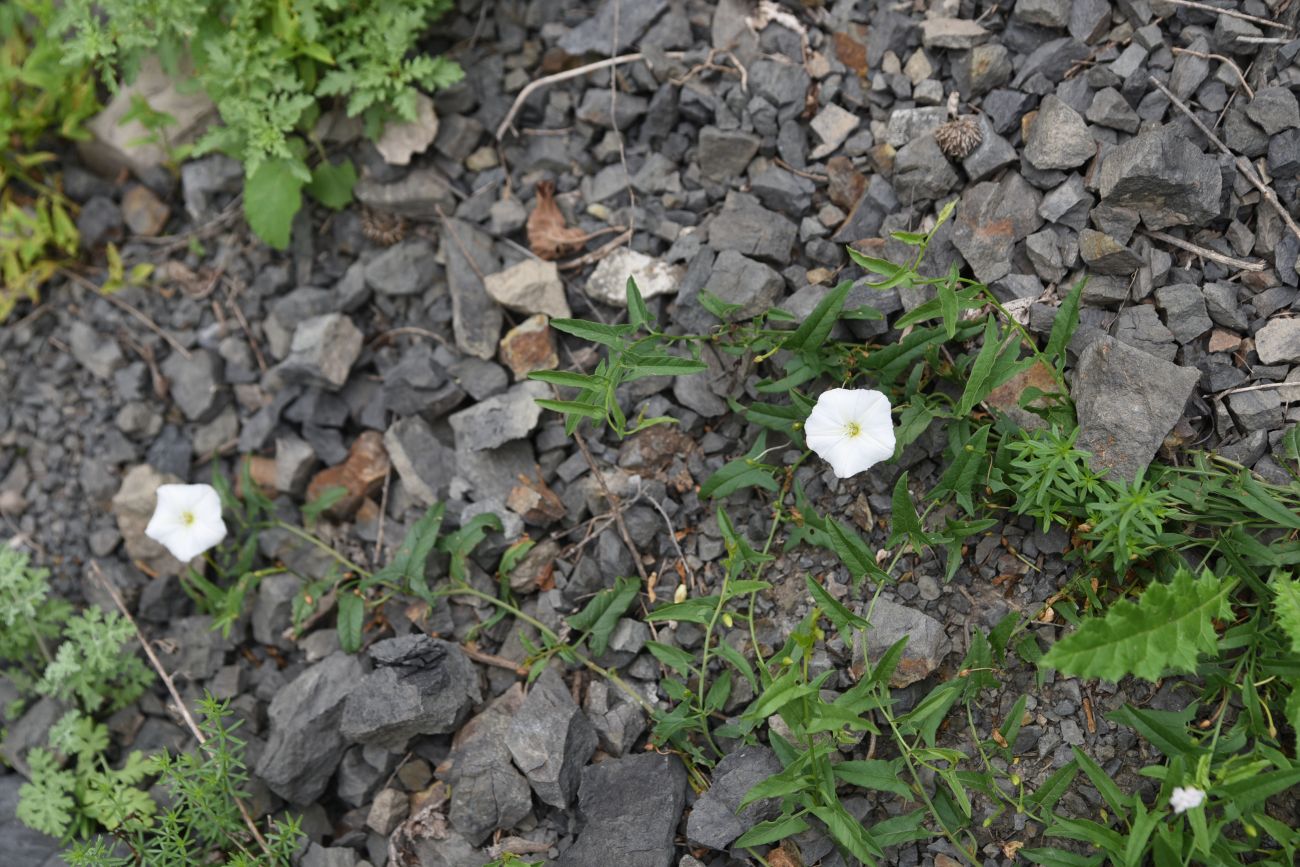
1186	798
187	520
851	429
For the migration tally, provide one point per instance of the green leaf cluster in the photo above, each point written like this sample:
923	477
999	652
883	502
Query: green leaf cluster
270	68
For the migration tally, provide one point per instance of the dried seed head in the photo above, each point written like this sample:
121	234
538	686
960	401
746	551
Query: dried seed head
958	137
383	228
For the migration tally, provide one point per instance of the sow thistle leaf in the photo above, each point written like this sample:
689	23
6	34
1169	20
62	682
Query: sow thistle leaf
1164	631
1286	607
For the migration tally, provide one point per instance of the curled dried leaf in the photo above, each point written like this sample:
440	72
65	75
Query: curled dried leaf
548	236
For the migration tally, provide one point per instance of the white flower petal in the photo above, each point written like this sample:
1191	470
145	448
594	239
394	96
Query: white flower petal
187	520
840	410
1184	798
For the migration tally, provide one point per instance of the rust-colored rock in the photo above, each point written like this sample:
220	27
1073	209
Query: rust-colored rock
654	448
1222	340
262	471
845	183
143	212
529	346
1006	397
362	474
536	570
850	52
535	502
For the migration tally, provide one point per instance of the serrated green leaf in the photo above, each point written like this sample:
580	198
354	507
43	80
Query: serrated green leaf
462	543
1163	632
1286	607
1067	319
331	185
272	196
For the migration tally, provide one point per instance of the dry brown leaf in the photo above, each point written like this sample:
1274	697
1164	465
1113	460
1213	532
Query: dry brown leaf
548	236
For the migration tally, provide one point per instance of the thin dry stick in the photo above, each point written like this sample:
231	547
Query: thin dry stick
1261	387
1206	252
615	505
248	332
1243	165
410	330
383	511
1231	13
532	86
613	119
118	302
455	239
1222	59
489	659
171	689
597	254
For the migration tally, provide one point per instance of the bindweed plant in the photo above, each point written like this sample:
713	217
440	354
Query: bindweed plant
1183	570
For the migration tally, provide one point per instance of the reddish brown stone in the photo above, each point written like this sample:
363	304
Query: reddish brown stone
262	471
535	502
654	448
1006	397
850	52
362	474
1223	341
143	212
846	184
529	346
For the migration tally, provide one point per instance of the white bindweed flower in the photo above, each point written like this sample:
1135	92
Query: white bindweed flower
187	520
851	429
1183	799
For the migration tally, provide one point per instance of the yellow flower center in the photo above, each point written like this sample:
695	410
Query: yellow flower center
853	429
187	518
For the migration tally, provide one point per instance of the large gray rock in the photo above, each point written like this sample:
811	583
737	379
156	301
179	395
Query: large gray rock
531	286
305	743
631	807
1059	137
322	353
418	195
420	686
1127	402
501	418
747	227
991	218
654	277
407	268
1184	309
195	383
737	279
96	352
551	739
927	643
921	171
714	820
424	464
1279	341
487	793
475	317
596	33
133	507
1164	177
724	154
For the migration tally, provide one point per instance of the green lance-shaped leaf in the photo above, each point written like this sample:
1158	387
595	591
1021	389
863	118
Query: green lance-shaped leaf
1164	631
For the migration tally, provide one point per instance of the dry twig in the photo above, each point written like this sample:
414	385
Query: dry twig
171	689
1222	59
1231	13
532	86
1206	252
1243	165
118	302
